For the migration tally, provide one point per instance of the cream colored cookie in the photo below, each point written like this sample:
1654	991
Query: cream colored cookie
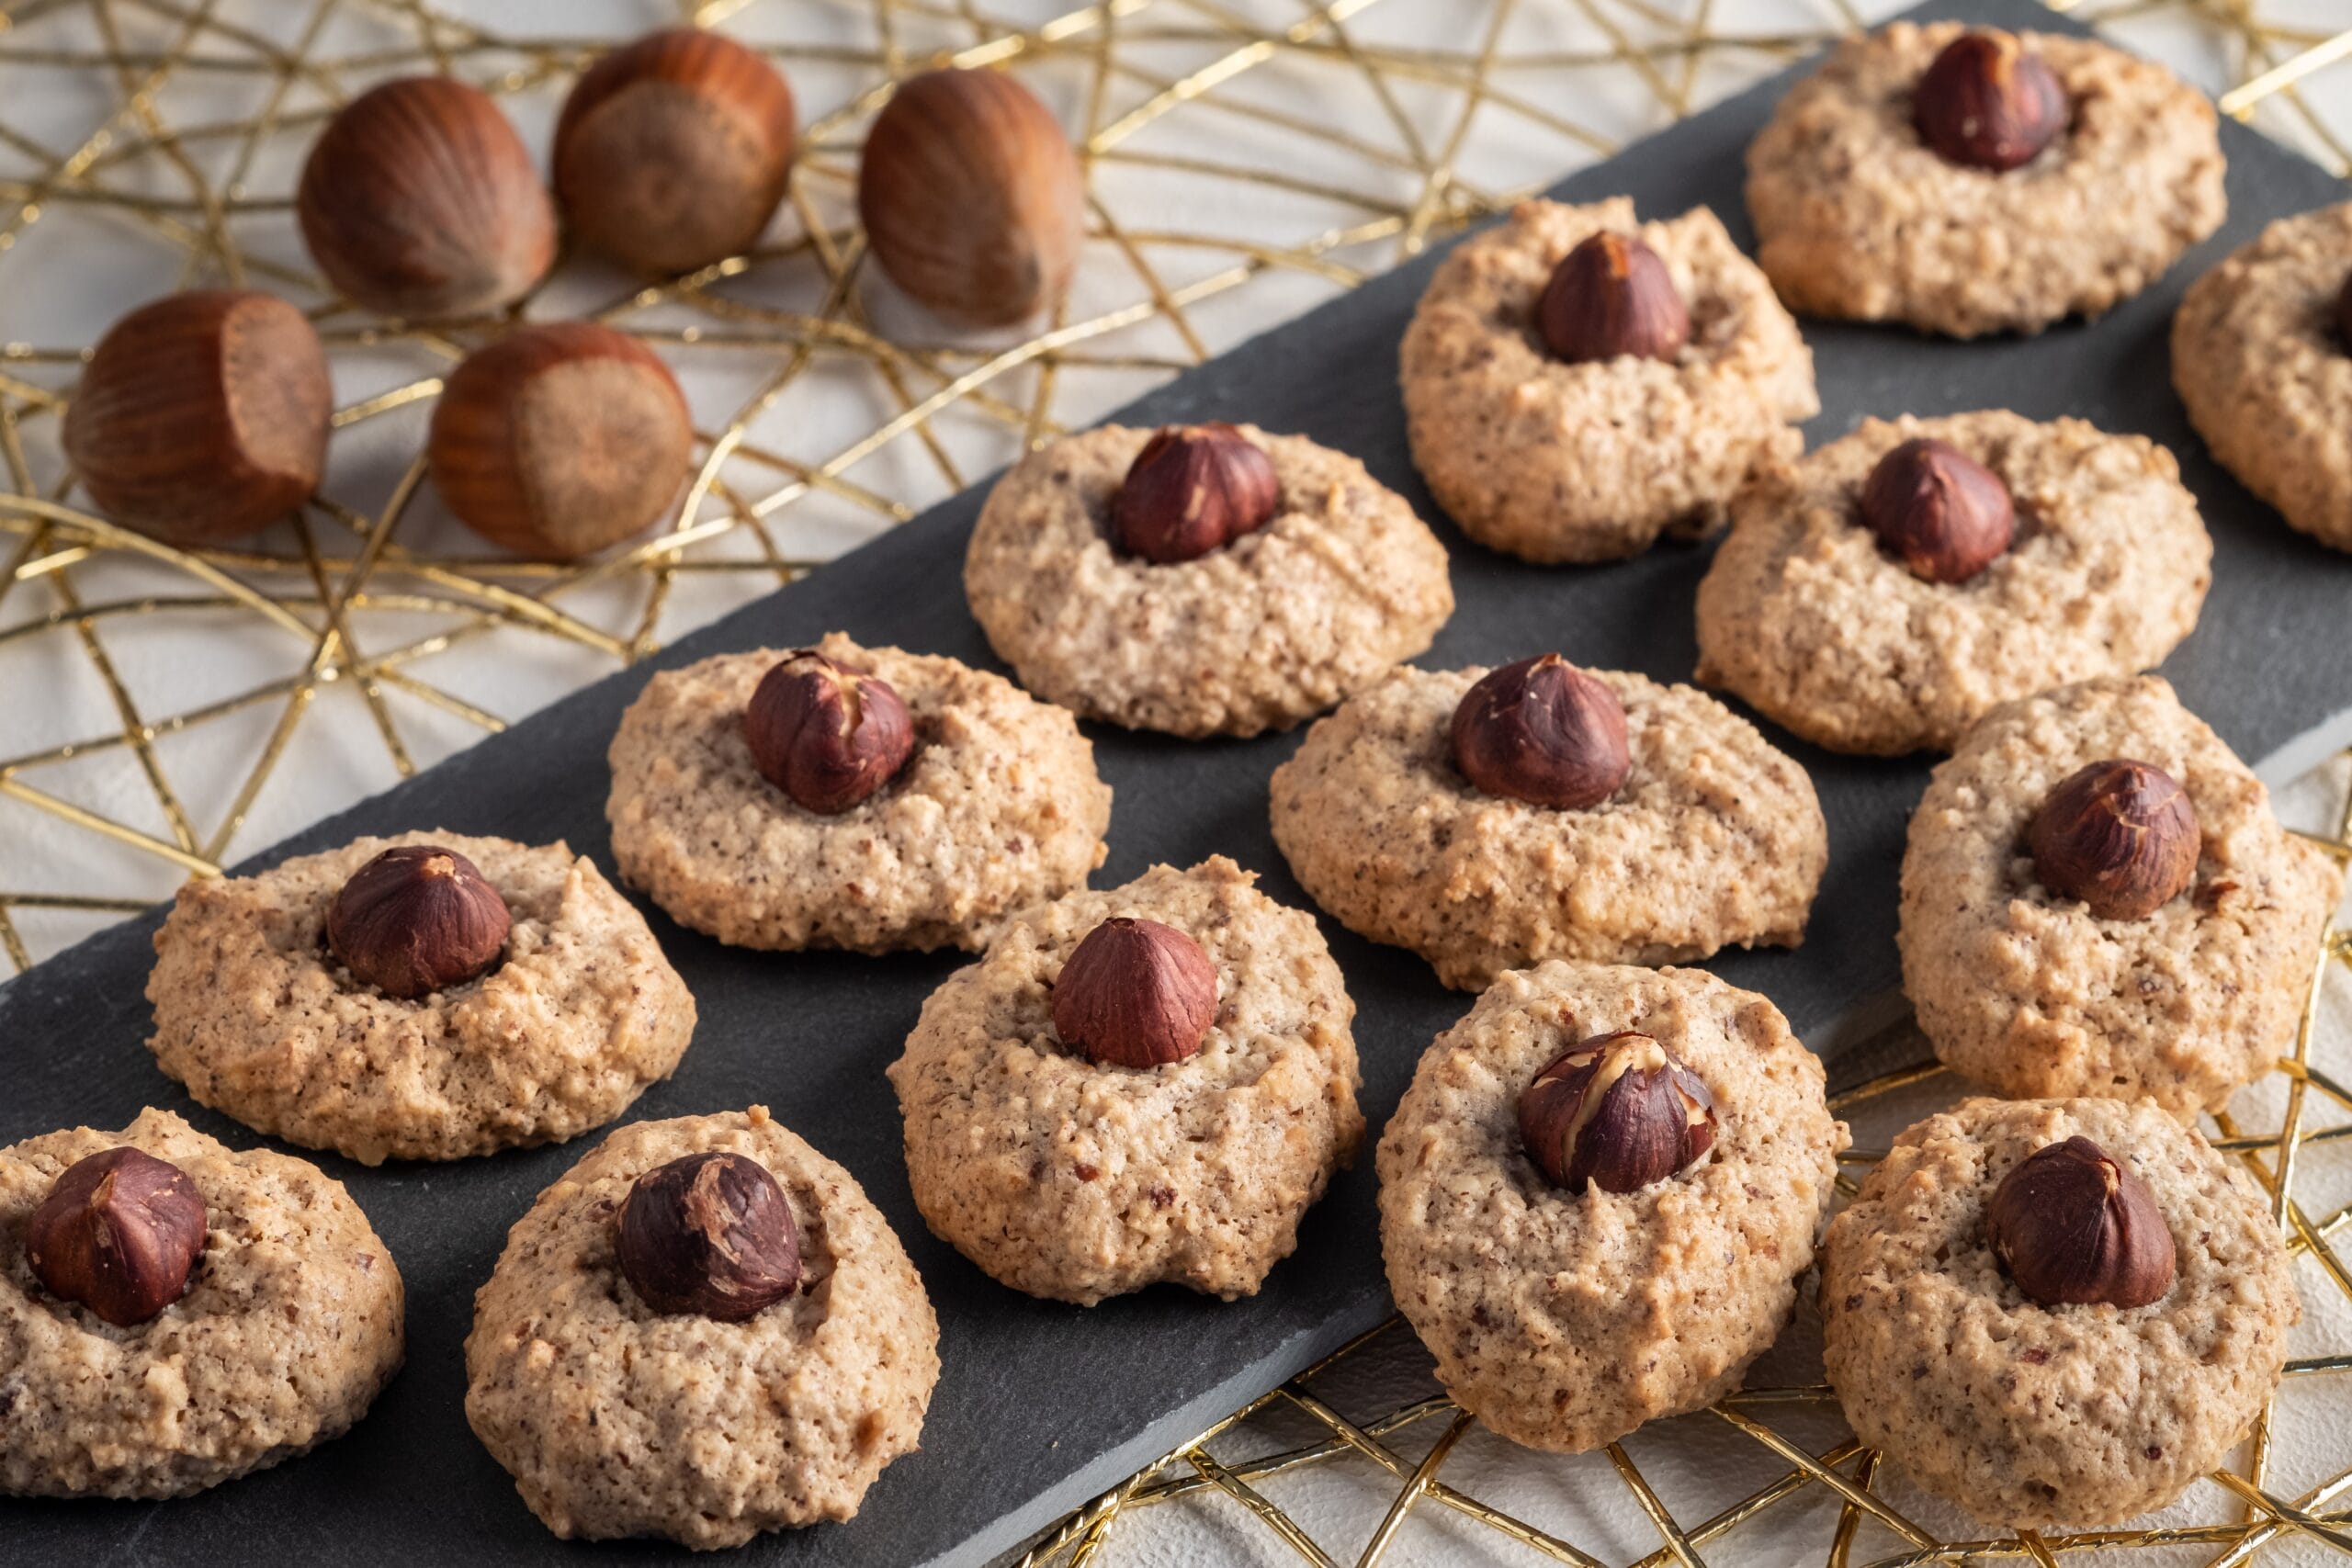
2266	373
290	1327
257	1018
1857	217
1715	840
999	806
1566	1320
1078	1181
2030	1417
1560	462
2031	993
617	1421
1256	634
1808	619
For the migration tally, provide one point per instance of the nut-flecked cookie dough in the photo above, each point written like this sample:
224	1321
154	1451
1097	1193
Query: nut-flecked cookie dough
1587	462
997	808
2264	364
2030	1415
257	1019
1078	1181
1715	840
1273	626
1808	619
2030	992
617	1421
290	1327
1857	217
1566	1320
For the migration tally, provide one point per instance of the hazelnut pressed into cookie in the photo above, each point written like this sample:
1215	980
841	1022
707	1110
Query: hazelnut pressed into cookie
1645	430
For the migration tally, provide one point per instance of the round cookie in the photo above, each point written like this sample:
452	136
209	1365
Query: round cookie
2030	1417
1566	1320
254	1016
999	808
2030	992
617	1421
1808	619
290	1327
1560	462
1715	840
1077	1181
1279	624
2265	370
1856	217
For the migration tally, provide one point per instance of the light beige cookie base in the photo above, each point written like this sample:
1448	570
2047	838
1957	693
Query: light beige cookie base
2031	1417
1808	619
2265	375
1715	839
1560	462
1278	624
997	808
1563	1321
290	1327
254	1016
615	1420
1078	1182
1856	217
2032	994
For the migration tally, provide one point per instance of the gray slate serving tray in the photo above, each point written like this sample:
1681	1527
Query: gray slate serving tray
1040	1405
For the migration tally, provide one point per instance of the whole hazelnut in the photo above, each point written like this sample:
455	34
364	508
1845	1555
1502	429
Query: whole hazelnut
1136	993
971	197
2121	836
1193	488
416	920
1612	295
202	416
827	734
1542	731
559	439
119	1233
2075	1228
710	1233
672	153
1989	102
1946	515
419	200
1619	1112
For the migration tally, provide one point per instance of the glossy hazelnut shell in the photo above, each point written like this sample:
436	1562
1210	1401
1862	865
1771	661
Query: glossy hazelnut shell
416	920
711	1234
2119	835
1989	102
2074	1226
828	735
1136	993
1544	732
1617	1111
1941	513
1191	490
1612	295
119	1233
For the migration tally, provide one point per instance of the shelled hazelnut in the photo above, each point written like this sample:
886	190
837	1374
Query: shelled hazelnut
1193	489
1945	514
416	920
119	1233
1610	296
2074	1227
419	200
2121	836
1617	1111
710	1233
1989	102
202	416
1542	731
672	153
561	438
825	733
1135	993
972	200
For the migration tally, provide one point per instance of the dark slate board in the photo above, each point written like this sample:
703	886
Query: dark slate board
1041	1405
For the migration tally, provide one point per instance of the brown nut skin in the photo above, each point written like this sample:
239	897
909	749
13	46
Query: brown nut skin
2074	1227
2121	836
1610	296
972	197
826	734
1987	102
1136	993
672	153
1943	514
202	416
1542	731
419	200
119	1233
561	438
710	1233
1191	490
416	920
1617	1111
